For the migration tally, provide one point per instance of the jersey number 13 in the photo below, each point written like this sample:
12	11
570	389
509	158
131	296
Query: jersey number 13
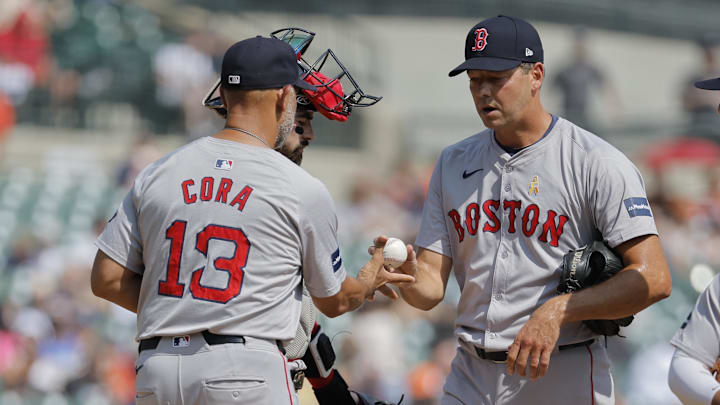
234	265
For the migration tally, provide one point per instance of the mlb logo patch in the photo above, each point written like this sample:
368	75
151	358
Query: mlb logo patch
234	79
223	164
336	260
638	207
181	341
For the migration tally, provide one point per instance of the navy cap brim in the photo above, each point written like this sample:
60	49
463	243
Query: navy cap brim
485	63
712	84
304	85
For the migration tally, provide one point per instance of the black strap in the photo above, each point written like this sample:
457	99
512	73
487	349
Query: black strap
149	344
335	391
492	356
501	356
213	339
210	338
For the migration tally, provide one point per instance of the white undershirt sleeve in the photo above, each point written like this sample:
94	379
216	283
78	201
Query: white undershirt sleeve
691	380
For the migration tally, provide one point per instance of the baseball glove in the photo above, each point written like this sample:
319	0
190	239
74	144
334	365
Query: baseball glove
587	266
715	370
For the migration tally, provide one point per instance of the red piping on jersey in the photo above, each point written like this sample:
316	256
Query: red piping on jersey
287	382
592	387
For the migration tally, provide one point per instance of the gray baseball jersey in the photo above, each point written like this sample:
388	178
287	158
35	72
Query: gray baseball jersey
506	221
223	234
699	335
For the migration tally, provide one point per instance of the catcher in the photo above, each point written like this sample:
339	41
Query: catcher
311	353
693	375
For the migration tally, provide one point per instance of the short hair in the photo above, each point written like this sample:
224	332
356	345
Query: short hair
241	96
526	67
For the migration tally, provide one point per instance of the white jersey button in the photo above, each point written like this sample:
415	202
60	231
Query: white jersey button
508	169
507	187
504	255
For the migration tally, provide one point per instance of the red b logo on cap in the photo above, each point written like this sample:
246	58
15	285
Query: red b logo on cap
481	35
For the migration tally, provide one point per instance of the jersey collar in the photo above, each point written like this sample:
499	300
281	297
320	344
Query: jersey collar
512	152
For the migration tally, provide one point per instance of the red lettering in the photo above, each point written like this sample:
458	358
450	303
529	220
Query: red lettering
206	188
514	206
189	199
234	265
480	39
491	216
455	217
472	221
555	230
531	209
223	190
171	285
242	197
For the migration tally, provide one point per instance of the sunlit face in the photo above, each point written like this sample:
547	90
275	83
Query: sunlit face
300	137
500	97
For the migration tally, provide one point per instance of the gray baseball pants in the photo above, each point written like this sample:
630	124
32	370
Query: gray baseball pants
576	376
187	370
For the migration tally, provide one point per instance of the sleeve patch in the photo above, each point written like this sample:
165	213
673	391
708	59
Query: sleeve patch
336	260
638	207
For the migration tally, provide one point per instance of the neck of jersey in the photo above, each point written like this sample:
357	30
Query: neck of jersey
513	151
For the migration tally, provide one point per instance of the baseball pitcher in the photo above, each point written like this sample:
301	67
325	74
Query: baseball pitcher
503	208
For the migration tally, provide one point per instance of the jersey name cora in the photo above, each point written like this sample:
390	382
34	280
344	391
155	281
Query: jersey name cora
528	225
207	190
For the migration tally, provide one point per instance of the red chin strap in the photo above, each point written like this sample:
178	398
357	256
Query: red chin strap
324	100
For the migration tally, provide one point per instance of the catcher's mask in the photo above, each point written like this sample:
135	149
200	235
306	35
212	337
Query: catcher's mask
327	73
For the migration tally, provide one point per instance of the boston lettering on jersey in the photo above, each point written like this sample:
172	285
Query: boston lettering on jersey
206	190
552	226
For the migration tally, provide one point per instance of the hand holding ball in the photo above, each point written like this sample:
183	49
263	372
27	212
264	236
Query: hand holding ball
394	252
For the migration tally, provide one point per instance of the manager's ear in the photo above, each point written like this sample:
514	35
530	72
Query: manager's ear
285	97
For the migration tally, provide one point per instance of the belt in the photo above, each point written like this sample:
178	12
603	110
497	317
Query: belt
501	357
210	338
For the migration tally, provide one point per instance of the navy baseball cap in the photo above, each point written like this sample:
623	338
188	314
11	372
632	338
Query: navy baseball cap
261	63
500	43
711	84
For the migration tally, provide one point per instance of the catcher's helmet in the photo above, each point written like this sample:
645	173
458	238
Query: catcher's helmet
329	99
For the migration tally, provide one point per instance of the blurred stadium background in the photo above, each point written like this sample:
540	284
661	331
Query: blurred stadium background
93	90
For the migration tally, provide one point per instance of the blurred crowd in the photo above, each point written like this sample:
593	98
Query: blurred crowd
109	65
64	63
58	343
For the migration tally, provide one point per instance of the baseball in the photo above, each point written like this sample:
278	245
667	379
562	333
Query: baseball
394	252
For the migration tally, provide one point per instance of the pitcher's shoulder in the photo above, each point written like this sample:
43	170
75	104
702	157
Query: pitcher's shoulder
474	142
586	142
